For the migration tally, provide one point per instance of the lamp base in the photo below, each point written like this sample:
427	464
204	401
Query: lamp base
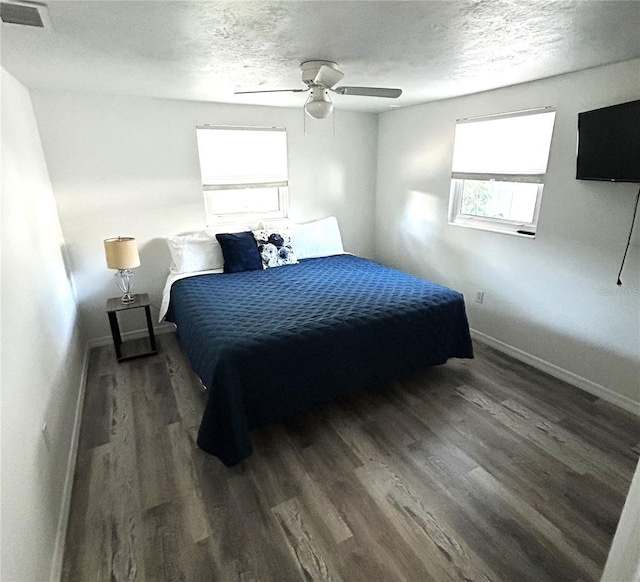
123	280
128	298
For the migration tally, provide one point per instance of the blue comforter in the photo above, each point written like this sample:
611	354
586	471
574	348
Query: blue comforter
270	344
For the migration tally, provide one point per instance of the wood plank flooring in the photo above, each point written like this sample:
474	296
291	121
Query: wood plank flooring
480	470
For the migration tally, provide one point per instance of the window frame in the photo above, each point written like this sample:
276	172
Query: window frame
459	218
213	218
249	216
502	225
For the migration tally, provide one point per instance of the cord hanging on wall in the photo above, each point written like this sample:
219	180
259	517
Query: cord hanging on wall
626	250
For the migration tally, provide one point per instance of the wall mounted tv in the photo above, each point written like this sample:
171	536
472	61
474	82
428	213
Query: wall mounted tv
609	143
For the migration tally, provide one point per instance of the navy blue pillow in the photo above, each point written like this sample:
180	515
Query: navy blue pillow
240	252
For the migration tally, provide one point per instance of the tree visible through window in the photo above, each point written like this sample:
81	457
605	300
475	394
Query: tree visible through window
502	200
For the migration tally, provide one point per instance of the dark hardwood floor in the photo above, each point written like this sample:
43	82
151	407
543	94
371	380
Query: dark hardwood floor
479	470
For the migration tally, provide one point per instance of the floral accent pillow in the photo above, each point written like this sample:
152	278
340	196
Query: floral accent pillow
275	247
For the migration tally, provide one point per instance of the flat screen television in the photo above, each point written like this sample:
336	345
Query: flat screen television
609	143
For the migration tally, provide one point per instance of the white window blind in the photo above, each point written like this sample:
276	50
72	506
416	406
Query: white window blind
242	156
514	145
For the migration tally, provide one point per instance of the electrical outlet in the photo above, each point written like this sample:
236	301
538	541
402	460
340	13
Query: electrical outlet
45	435
479	296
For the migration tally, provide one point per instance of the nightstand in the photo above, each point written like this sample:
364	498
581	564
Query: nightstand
114	305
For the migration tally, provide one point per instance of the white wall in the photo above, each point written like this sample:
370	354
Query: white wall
42	349
129	166
553	297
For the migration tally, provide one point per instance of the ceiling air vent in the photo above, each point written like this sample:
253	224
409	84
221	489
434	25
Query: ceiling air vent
25	13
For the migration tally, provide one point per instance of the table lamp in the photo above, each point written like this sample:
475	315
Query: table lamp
122	254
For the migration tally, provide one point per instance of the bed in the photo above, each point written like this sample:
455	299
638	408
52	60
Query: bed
273	343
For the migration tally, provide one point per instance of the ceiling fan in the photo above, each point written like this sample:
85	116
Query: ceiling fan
320	77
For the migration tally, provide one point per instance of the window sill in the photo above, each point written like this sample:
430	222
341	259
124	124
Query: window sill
492	228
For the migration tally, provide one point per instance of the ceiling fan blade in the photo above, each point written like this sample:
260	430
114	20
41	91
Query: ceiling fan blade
369	91
272	91
328	77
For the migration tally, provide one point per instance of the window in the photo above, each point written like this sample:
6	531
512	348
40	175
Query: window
499	165
244	172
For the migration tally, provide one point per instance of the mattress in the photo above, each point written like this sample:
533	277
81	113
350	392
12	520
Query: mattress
271	344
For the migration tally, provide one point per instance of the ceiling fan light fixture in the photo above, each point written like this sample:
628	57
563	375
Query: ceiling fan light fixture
318	105
319	109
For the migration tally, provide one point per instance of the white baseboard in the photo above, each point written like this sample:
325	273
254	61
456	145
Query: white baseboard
107	340
63	520
603	392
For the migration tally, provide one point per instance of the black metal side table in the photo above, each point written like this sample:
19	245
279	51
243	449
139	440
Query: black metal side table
114	304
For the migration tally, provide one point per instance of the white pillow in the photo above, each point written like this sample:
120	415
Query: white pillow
197	251
320	238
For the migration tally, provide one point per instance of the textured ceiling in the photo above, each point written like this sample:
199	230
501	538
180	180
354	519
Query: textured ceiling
207	50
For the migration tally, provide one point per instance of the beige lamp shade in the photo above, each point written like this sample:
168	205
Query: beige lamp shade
121	253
